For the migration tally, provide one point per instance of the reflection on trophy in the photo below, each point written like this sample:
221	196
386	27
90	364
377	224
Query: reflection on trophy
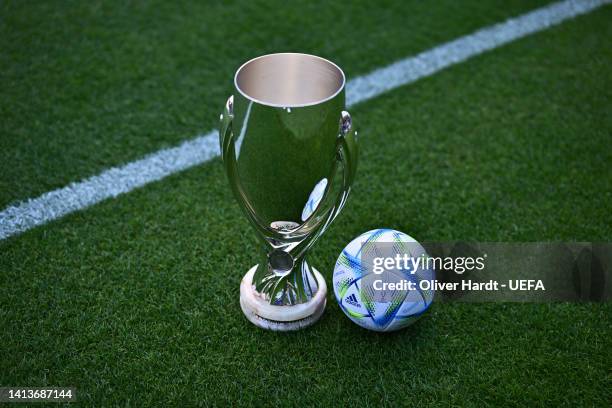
290	153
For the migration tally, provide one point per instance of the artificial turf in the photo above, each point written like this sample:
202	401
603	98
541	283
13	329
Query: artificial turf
135	301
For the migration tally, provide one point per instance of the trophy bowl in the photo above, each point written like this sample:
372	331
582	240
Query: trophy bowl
290	153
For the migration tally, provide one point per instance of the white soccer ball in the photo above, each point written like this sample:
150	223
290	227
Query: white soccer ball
352	282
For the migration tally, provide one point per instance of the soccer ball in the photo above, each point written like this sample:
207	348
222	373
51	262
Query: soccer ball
394	310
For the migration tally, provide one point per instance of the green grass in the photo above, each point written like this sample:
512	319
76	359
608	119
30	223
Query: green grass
135	301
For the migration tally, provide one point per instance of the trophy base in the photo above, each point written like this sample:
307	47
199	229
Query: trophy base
281	318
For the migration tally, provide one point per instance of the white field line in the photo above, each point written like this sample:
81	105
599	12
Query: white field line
118	180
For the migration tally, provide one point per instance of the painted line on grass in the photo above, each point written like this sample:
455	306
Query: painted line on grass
118	180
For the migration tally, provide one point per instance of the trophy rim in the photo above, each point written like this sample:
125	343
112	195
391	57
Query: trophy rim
295	105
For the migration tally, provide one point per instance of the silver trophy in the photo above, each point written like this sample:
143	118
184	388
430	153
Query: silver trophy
290	153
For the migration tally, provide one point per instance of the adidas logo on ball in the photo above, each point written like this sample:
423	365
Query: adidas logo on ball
352	300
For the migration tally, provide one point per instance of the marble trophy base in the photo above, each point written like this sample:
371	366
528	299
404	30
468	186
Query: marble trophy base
281	318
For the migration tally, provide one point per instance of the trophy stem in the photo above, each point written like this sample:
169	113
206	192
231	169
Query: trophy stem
283	280
258	310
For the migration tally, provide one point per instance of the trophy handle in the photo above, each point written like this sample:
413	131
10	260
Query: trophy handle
228	157
226	143
349	151
225	133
